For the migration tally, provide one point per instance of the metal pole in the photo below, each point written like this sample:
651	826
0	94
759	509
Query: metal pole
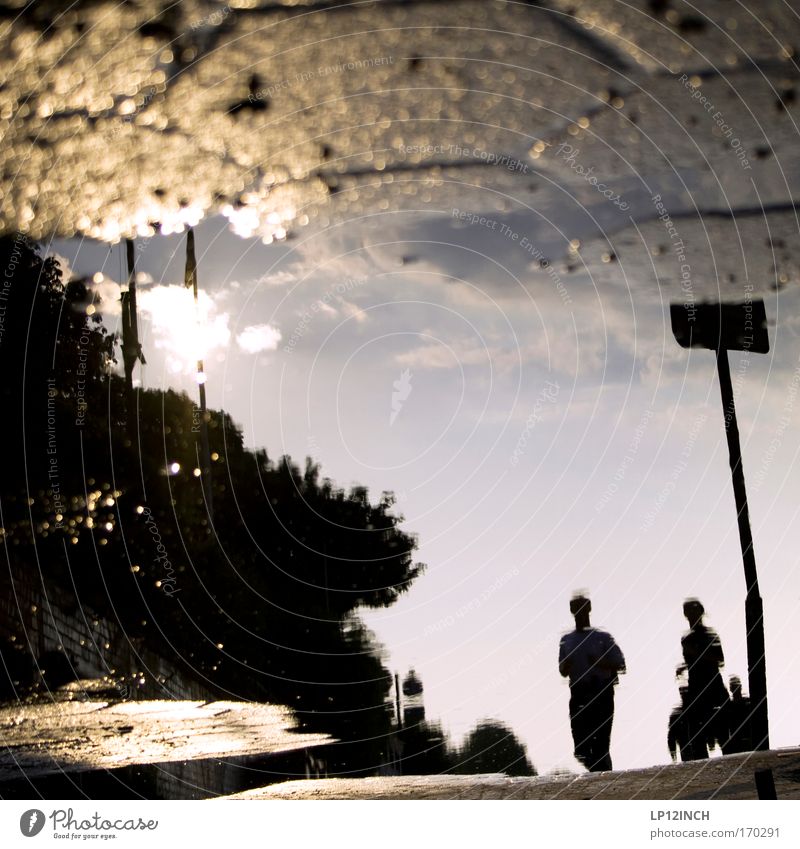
131	348
397	699
191	267
399	724
753	607
204	444
131	317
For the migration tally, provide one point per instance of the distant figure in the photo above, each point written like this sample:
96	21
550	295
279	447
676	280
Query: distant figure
591	660
680	739
707	697
740	713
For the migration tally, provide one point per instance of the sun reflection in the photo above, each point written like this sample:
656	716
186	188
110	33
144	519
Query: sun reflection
184	332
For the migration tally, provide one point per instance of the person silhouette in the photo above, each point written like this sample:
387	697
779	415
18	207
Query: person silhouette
680	740
740	730
592	661
703	658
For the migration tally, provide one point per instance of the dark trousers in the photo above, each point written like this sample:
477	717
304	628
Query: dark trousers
591	714
707	713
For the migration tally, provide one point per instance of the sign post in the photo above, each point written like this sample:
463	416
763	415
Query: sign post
723	328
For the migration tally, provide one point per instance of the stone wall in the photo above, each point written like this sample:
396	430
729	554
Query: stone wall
37	618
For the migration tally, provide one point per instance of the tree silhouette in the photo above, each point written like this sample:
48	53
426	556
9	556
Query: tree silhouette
263	604
426	749
493	747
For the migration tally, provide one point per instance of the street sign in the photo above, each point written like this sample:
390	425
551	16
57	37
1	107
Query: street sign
729	327
723	328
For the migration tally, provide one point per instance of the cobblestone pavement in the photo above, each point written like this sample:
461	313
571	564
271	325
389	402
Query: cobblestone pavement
730	777
79	736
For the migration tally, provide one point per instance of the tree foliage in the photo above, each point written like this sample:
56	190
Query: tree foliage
492	747
261	603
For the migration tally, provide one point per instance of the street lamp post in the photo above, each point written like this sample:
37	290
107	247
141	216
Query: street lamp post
723	328
131	347
190	281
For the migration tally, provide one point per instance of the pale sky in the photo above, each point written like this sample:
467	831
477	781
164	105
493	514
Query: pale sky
548	435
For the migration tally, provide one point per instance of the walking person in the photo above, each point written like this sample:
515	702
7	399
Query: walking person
591	659
740	720
707	701
681	742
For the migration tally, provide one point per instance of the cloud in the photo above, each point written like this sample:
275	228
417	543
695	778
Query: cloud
446	356
280	276
352	310
259	337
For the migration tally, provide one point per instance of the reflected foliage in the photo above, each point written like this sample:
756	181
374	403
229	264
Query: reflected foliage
261	604
492	747
426	750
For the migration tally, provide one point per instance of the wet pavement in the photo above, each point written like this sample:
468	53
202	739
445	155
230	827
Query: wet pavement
730	777
128	119
82	736
117	120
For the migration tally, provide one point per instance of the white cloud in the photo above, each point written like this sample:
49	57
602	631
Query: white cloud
455	354
280	277
353	311
259	337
